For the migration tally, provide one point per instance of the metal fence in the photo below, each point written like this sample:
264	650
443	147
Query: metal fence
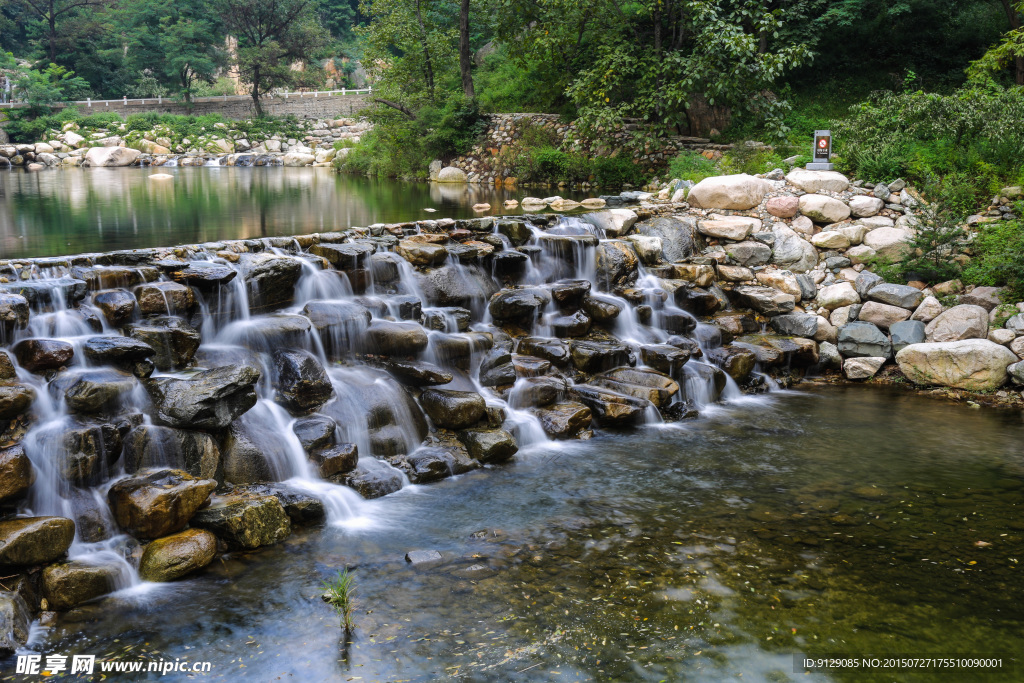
126	101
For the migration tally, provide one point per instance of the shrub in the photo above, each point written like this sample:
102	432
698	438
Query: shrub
998	259
617	171
692	166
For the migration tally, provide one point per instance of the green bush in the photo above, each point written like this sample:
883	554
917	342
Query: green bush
617	171
751	160
692	166
998	259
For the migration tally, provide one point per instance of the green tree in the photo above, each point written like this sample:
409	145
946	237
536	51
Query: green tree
41	89
273	36
1010	49
178	41
51	13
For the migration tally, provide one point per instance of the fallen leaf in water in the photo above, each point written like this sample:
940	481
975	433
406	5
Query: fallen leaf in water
982	544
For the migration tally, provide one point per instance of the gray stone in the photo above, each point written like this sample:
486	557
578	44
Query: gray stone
749	253
862	368
958	323
212	399
863	340
865	281
905	333
796	324
903	296
971	364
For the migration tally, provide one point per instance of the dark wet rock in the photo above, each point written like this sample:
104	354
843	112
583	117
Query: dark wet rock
446	319
149	446
335	459
69	584
177	555
509	265
453	409
47	291
903	296
617	264
736	325
393	339
164	298
518	232
39	355
572	325
15	399
696	300
665	358
303	508
593	356
796	324
737	361
123	352
301	383
173	340
456	349
709	376
764	300
87	451
530	366
14	311
677	322
451	286
551	350
537	391
116	305
611	408
242	460
269	279
15	617
863	340
489	445
905	333
496	367
564	420
108	277
16	474
245	520
208	400
344	256
315	431
519	305
642	383
569	294
679	236
429	464
418	373
372	483
272	332
204	275
34	540
340	324
384	267
93	391
154	503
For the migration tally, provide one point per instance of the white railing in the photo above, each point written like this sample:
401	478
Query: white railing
125	101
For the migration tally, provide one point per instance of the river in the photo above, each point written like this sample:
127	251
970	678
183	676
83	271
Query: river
73	211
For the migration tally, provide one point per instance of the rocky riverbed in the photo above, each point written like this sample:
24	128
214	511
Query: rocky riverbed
162	407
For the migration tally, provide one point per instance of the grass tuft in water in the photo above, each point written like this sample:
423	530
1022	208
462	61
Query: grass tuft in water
338	594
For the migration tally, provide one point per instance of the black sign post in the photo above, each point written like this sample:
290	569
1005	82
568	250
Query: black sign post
822	151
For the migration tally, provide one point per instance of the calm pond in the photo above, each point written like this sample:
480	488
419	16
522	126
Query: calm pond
72	211
829	521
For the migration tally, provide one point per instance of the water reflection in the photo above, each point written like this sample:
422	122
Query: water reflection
100	209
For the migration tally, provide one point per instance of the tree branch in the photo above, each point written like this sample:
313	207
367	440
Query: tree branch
395	105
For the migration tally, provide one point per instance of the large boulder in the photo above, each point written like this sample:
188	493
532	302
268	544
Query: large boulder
422	253
837	295
960	322
739	192
766	300
393	339
212	399
112	156
453	409
518	305
93	391
822	209
734	228
172	557
39	355
750	253
905	333
245	520
596	356
791	251
564	420
613	222
160	298
864	206
816	181
678	234
882	315
489	445
971	364
154	503
34	540
450	174
173	341
16	473
15	399
889	242
611	408
863	340
269	279
903	296
617	264
338	323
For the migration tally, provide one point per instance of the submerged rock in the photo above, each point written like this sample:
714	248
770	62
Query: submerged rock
15	617
373	482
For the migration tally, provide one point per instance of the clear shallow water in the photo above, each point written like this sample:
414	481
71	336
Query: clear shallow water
73	211
826	521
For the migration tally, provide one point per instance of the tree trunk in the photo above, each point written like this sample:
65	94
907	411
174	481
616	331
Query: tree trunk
465	56
1014	18
256	92
53	34
427	68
